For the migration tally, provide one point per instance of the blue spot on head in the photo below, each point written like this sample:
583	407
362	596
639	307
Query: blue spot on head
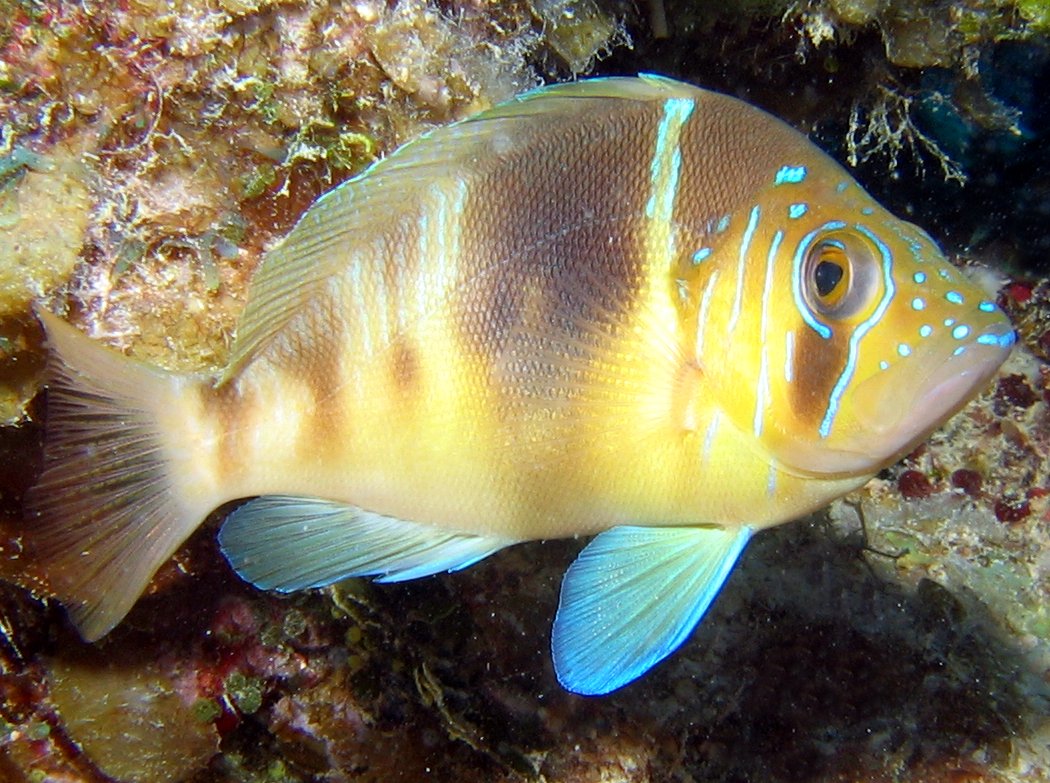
919	277
1002	340
986	307
904	350
959	350
954	297
701	254
841	187
723	224
944	274
796	211
867	211
949	321
925	330
884	365
792	174
961	332
918	303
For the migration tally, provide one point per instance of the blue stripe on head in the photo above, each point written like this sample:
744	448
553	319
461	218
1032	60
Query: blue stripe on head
796	278
762	391
745	245
795	211
862	329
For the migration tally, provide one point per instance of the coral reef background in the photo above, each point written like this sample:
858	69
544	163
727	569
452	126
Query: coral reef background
151	151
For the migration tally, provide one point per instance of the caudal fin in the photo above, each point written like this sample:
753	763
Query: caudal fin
105	514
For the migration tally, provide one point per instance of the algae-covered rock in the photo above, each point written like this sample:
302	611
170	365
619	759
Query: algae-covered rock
45	206
44	212
128	718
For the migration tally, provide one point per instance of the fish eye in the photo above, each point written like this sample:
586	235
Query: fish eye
839	275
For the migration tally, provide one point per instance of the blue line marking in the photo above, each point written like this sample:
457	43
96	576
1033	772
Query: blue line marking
954	297
701	254
795	211
790	174
796	279
862	329
661	200
762	391
749	233
722	225
961	332
986	307
709	435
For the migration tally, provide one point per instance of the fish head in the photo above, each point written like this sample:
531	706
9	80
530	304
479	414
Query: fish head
869	338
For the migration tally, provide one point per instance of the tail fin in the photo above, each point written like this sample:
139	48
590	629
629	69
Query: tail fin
105	514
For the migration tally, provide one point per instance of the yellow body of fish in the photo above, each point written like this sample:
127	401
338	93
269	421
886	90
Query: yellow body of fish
623	305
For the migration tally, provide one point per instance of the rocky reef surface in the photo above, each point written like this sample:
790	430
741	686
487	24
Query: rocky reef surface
151	151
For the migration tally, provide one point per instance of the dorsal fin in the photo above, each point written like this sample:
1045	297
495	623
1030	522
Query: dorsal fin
364	207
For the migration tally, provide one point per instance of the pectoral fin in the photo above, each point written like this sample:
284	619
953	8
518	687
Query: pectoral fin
632	597
292	543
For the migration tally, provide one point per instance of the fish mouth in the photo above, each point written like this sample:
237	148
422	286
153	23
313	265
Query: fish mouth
895	414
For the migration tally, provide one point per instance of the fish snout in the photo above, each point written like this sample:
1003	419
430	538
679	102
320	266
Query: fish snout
899	406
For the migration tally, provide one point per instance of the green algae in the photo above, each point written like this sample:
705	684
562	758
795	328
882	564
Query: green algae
1036	13
206	710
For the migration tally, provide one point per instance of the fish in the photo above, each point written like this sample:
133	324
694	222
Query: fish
627	308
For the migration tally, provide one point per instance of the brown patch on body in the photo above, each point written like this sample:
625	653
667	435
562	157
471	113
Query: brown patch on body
322	369
404	367
227	408
553	260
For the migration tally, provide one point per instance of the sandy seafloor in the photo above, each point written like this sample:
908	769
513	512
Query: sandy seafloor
151	152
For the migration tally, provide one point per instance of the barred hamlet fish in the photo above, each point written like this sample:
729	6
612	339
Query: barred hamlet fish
625	307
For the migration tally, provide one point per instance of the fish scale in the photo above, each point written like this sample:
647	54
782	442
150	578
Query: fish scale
628	308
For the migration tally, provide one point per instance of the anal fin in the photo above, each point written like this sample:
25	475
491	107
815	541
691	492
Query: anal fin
292	543
633	596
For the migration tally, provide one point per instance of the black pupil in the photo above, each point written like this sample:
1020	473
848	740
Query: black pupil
827	275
